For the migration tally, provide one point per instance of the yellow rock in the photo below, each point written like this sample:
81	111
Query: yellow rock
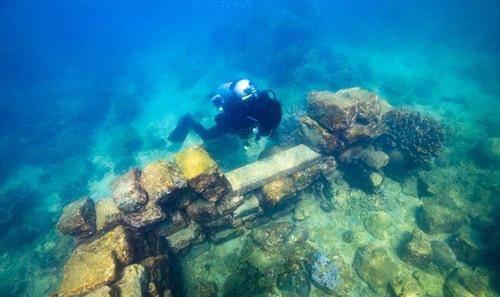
88	268
275	191
117	241
101	292
107	215
194	161
160	178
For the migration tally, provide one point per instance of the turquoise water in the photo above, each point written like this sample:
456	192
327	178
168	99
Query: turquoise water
89	90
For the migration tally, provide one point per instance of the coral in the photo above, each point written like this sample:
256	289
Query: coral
277	191
324	273
418	136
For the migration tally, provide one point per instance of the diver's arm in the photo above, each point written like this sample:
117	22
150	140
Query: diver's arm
210	133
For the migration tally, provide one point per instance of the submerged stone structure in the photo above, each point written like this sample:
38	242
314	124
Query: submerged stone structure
129	243
167	208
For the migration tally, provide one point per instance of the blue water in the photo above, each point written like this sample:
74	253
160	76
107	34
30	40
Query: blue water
89	89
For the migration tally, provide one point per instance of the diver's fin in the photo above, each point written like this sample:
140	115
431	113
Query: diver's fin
182	130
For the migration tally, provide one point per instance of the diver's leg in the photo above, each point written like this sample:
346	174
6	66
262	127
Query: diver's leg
210	133
181	130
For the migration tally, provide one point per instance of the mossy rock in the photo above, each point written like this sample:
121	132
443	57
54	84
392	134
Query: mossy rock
375	266
435	219
194	161
378	224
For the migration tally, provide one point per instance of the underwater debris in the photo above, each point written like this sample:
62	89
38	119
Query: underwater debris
418	136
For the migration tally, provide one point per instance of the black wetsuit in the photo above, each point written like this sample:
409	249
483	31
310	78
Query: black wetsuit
237	117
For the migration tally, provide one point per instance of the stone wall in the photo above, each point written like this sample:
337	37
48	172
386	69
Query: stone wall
125	242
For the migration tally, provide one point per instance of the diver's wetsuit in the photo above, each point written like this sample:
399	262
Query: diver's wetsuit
237	117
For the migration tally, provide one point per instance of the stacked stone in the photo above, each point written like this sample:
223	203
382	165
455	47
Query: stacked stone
123	242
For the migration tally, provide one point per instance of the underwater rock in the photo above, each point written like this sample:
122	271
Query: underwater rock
304	178
181	241
466	246
108	215
488	152
442	255
133	282
229	203
405	287
127	192
174	222
303	211
374	265
434	219
272	236
355	112
105	291
374	159
317	137
202	210
118	240
203	288
325	273
88	268
278	191
78	218
161	178
348	236
470	280
375	180
465	282
377	224
294	282
202	173
418	251
225	235
418	136
257	174
158	274
370	158
148	215
244	282
249	206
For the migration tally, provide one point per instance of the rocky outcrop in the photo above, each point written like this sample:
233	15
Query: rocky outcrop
437	219
202	173
353	113
442	255
78	218
466	246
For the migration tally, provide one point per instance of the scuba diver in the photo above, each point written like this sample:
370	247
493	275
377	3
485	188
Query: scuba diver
244	110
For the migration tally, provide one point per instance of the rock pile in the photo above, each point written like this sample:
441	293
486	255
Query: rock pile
124	242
